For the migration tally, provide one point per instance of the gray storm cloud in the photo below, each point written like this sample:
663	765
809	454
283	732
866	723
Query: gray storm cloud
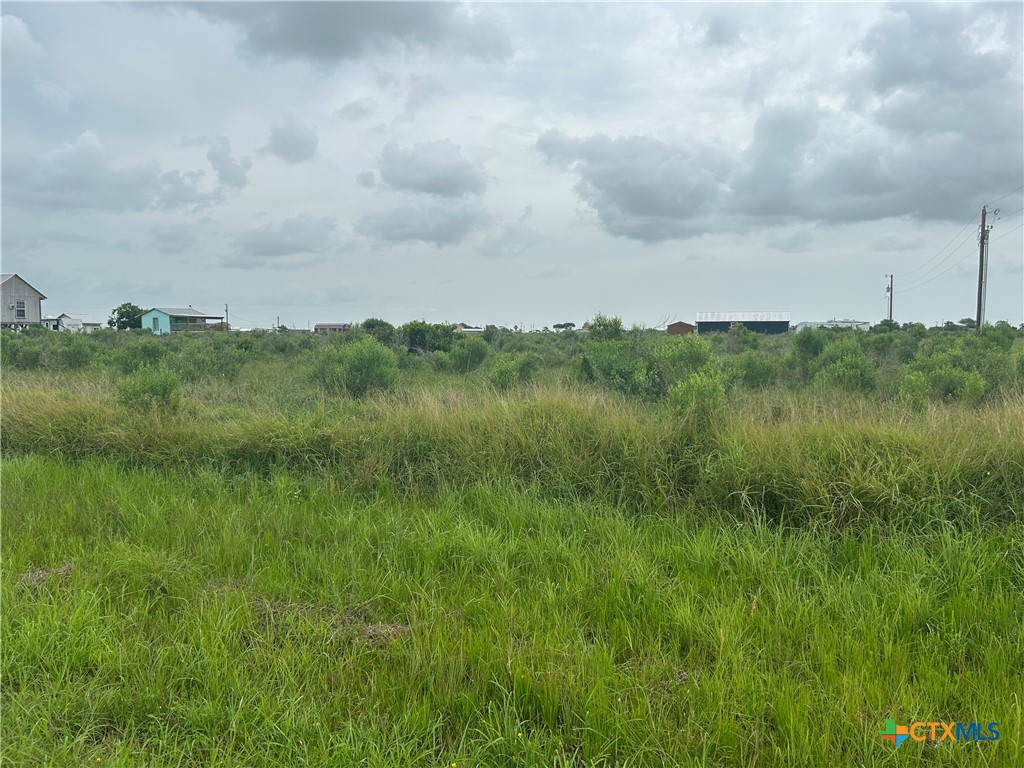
292	140
230	171
640	187
438	222
80	175
329	32
436	168
306	236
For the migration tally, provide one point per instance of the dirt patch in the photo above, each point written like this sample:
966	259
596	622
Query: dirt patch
276	616
380	633
36	579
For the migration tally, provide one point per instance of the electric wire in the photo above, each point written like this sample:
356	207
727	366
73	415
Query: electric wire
939	253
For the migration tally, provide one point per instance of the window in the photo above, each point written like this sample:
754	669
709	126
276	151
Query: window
156	325
19	311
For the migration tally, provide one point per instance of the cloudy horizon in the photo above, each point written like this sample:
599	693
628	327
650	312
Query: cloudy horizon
514	164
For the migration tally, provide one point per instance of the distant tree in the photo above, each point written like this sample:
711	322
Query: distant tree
126	316
564	326
604	328
417	335
885	326
381	330
968	322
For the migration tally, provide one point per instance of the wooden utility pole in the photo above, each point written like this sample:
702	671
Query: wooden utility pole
982	268
227	322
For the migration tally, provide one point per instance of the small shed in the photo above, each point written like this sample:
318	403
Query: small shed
759	322
679	328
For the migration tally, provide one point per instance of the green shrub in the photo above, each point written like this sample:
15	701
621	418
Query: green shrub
972	389
755	370
72	351
677	357
357	369
504	373
509	371
441	361
529	364
617	365
202	359
136	354
699	400
150	388
854	374
913	389
21	351
468	354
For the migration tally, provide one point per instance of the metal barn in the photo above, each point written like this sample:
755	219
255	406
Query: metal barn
759	322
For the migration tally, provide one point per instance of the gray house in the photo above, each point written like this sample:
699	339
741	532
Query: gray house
20	303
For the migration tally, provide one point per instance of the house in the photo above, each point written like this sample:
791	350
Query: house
679	328
860	325
465	328
759	322
21	303
164	320
73	323
331	328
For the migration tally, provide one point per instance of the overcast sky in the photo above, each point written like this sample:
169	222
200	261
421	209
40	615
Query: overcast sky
510	164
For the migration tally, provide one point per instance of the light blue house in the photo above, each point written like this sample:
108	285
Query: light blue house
164	320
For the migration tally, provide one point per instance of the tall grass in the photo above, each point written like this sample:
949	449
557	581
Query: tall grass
161	618
799	459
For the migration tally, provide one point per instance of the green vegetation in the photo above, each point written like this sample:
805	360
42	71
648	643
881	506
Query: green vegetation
402	546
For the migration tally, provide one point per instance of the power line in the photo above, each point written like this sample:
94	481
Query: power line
925	277
973	218
1008	232
947	269
1018	189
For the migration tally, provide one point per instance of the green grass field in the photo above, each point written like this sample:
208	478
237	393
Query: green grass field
450	575
200	620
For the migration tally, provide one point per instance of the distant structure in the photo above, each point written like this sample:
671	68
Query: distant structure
164	320
21	303
66	321
679	328
470	329
769	323
860	325
331	328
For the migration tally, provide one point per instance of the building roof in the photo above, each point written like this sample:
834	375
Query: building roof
84	319
346	326
8	275
743	317
680	322
185	312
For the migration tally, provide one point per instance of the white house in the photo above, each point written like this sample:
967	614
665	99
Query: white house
72	323
20	303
